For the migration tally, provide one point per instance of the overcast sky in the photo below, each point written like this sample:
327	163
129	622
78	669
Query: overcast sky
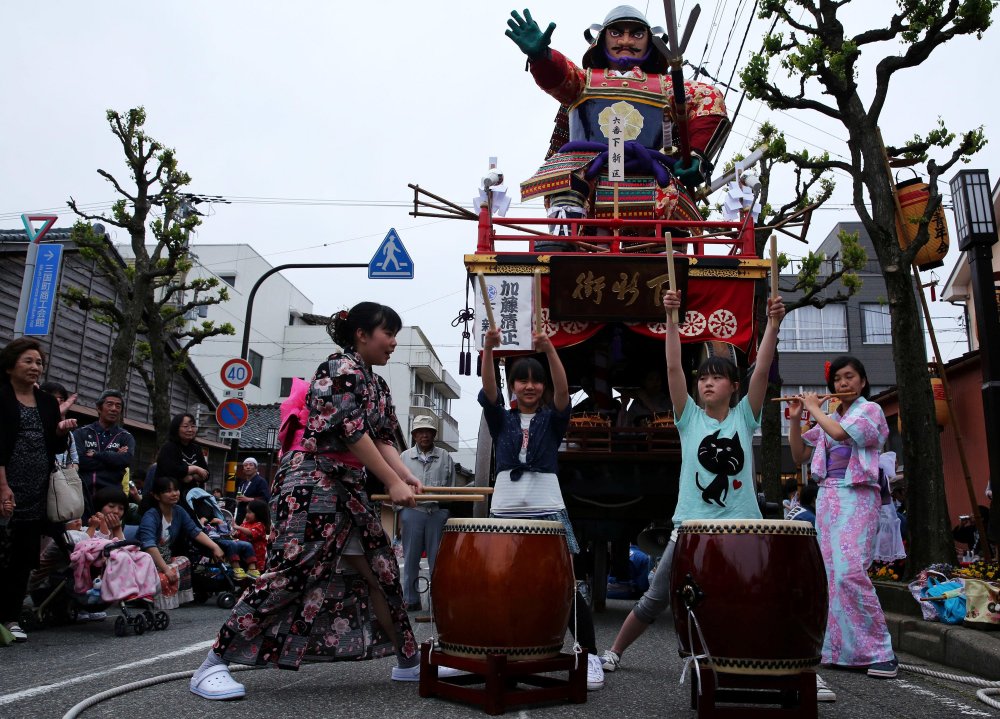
313	117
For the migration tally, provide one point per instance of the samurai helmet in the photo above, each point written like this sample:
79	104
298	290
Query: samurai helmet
595	56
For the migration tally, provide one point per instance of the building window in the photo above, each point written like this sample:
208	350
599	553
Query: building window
229	278
286	387
811	329
256	364
876	324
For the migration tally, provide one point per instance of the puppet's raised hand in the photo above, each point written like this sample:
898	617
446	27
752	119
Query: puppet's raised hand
526	35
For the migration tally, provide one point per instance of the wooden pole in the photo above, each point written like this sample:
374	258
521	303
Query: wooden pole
774	267
537	301
942	375
671	273
486	300
435	497
459	490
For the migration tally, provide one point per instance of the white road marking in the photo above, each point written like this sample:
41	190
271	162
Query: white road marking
47	688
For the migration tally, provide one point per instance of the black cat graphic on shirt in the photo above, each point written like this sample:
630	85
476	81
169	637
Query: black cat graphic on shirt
724	457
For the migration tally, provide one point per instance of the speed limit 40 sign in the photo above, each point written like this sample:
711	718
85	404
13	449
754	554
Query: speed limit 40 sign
236	373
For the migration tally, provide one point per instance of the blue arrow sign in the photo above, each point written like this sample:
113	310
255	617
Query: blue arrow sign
391	261
44	291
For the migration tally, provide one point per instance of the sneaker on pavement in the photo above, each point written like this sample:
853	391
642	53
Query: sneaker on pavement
610	661
823	692
83	616
412	674
216	682
15	630
595	673
98	616
884	670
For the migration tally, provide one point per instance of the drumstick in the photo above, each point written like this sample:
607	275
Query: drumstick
823	397
774	266
435	497
538	301
460	490
671	275
486	300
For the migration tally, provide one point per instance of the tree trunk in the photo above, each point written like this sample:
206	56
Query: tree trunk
123	349
930	538
161	375
770	445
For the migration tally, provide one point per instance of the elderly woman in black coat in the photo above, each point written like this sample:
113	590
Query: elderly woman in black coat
32	433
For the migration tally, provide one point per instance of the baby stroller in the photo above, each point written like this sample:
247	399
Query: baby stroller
208	577
66	593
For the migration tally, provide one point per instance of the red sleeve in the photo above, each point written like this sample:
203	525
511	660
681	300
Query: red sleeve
559	77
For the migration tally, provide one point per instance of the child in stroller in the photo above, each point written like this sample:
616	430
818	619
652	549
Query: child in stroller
218	523
208	576
90	571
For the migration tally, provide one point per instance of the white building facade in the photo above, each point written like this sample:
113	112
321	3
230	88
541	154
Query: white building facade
284	343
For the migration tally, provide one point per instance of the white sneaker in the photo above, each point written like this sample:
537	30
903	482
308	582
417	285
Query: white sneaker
98	616
15	630
216	683
610	661
412	674
823	692
595	673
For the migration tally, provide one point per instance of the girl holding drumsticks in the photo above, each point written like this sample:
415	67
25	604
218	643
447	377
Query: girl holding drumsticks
845	448
527	444
716	441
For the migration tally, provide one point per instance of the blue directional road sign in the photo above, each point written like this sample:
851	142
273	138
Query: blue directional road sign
44	290
391	261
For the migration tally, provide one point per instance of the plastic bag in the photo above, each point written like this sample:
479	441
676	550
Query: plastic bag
948	599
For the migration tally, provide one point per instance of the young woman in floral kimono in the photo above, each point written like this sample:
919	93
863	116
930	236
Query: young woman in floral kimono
845	464
330	590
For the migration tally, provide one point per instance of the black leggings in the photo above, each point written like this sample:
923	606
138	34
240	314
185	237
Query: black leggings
21	550
584	633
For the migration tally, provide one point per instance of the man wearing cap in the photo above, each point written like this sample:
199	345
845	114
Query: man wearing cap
626	75
251	487
423	525
106	448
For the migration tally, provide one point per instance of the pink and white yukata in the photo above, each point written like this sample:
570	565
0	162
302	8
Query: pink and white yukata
847	512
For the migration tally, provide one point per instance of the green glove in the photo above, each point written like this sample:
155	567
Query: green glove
525	33
689	174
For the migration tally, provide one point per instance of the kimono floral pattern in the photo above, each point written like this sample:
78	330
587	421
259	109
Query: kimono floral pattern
302	608
847	511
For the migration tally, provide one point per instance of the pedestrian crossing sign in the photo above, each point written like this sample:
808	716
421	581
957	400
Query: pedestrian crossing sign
391	260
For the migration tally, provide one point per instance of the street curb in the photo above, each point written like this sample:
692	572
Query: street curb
970	650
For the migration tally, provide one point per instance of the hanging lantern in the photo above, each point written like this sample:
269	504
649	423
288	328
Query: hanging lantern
913	198
940	402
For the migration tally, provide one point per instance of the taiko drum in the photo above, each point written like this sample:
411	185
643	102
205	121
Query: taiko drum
757	590
502	586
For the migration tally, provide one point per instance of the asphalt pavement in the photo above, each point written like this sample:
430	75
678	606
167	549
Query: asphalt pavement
59	667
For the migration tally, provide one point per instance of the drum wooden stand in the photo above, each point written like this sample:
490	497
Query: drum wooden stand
500	678
794	695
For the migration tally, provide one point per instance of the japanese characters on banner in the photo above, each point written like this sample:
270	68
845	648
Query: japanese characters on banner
714	311
510	297
616	148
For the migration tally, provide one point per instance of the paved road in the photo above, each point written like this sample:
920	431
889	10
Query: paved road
57	668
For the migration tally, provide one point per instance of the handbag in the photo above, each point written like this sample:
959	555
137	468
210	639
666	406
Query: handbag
982	604
65	500
948	599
